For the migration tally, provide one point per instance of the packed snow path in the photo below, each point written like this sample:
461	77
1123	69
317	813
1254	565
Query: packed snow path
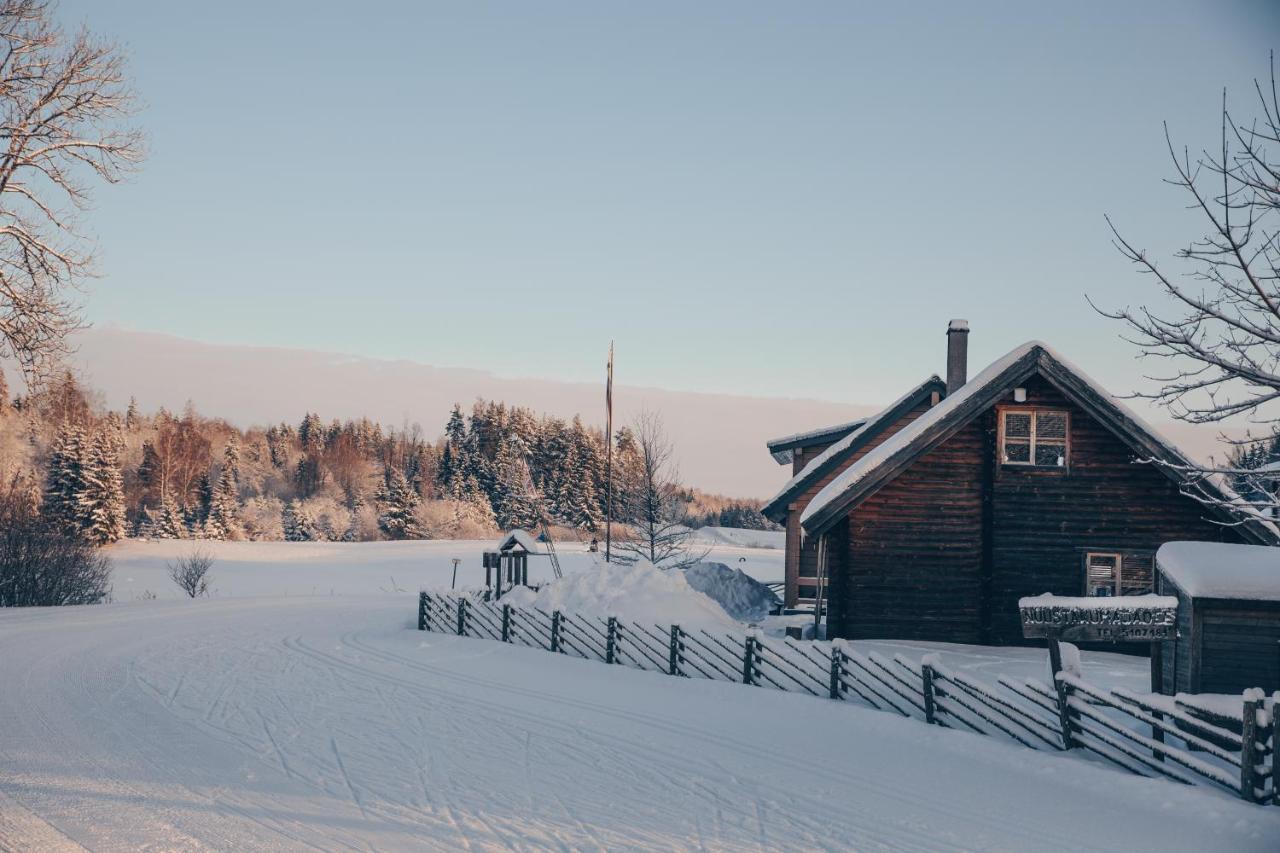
327	722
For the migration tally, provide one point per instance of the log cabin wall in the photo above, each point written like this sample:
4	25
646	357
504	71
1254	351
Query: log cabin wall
944	551
1046	520
801	561
914	555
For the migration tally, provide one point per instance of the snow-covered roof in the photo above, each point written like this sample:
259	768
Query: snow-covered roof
869	427
983	390
1222	570
782	449
521	539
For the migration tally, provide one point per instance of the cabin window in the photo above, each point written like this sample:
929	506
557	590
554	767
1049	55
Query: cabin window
1102	574
1033	437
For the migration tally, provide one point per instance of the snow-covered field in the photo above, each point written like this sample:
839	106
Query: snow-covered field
337	568
298	708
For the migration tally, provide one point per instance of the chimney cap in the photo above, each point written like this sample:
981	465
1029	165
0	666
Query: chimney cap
958	326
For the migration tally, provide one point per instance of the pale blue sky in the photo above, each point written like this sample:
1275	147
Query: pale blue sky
782	199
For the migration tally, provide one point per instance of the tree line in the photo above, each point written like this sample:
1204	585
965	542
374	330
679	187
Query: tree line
106	475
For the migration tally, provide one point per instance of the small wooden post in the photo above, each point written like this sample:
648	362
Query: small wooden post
1249	750
1063	692
930	707
555	630
673	651
506	623
749	661
837	665
422	611
611	640
462	617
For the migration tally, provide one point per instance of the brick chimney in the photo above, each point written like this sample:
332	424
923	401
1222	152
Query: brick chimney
957	355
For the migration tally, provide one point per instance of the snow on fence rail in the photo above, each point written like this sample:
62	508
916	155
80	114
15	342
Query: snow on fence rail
1144	734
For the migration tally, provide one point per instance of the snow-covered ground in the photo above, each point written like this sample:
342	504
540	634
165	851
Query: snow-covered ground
360	568
299	708
326	721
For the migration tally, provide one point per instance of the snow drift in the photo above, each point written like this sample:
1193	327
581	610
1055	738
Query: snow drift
742	597
640	592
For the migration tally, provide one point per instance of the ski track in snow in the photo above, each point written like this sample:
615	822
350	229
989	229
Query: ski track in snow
328	723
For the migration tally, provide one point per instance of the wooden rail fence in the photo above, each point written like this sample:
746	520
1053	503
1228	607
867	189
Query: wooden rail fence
1143	734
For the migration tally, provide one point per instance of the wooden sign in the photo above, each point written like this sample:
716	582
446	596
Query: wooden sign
1146	619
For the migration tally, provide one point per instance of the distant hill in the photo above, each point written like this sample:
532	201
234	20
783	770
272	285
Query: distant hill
719	438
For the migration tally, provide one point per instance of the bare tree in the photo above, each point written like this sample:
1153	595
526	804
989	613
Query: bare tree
653	506
191	573
63	104
41	563
1218	333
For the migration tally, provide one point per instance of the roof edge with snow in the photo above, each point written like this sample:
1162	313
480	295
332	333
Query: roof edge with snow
836	455
783	449
886	462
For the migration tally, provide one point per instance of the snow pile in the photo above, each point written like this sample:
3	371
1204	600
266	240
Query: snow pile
639	593
1221	570
742	597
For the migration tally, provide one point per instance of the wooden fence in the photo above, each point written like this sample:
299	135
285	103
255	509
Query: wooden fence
1143	734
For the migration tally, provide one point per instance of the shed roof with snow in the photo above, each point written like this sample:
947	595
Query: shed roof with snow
519	540
783	449
1222	570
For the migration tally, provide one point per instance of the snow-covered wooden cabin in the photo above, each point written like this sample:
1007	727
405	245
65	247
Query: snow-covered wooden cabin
931	519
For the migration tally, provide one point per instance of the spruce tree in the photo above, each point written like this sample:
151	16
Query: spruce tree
515	503
224	513
396	504
131	416
297	523
100	501
65	477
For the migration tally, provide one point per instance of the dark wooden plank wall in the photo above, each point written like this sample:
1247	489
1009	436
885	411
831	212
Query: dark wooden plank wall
802	561
1240	646
1045	521
912	566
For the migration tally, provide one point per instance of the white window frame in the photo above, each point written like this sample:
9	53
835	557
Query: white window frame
1033	413
1119	574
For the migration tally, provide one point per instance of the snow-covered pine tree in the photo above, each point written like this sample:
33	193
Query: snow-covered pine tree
100	502
297	523
131	417
204	503
224	513
65	477
396	504
231	458
516	502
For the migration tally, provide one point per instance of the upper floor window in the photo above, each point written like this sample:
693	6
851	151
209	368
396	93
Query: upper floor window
1036	437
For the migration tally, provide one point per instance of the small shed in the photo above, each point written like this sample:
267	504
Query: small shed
1228	623
508	566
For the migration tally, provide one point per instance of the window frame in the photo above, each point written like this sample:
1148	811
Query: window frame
1033	412
1119	573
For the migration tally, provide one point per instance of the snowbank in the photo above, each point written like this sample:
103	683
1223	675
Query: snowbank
639	592
1221	570
742	597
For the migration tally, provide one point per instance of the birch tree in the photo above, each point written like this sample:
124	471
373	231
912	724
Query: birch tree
64	109
1215	331
654	508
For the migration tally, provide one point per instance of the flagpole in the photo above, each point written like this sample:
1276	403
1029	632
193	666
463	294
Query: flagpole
608	465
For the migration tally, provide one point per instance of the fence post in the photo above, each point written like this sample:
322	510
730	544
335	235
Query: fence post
1249	748
749	661
930	707
1064	712
462	617
673	650
611	640
422	611
506	623
837	664
555	630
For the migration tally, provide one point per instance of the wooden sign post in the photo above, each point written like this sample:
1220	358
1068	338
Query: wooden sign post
1125	619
